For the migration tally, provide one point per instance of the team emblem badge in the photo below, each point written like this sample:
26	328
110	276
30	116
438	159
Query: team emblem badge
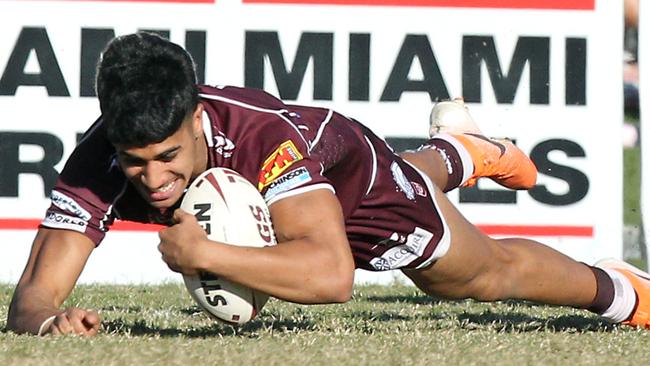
277	163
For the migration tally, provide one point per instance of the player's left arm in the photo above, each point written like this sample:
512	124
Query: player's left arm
311	264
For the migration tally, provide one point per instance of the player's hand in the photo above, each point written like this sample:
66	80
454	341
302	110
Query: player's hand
74	321
179	243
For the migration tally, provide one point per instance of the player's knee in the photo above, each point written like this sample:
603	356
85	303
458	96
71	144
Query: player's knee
340	292
496	281
336	288
488	288
488	278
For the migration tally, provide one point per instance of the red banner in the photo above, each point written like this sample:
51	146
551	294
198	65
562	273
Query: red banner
499	4
142	1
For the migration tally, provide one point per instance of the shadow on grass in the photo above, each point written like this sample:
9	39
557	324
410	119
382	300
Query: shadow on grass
194	310
386	316
142	328
123	309
405	299
362	320
423	299
501	321
517	322
507	322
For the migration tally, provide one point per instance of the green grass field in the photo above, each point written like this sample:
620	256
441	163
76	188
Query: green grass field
632	180
632	186
389	325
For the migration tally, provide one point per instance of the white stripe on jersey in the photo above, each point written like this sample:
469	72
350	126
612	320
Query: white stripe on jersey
374	165
277	112
207	129
300	190
445	241
321	128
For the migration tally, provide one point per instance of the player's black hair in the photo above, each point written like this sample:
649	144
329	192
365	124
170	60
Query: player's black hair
146	86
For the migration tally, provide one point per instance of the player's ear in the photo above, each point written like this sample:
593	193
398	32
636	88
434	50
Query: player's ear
197	120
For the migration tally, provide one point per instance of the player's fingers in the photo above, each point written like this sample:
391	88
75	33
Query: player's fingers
84	322
62	325
92	321
92	318
183	217
163	233
162	248
166	237
91	332
180	215
75	317
172	266
76	321
163	253
52	330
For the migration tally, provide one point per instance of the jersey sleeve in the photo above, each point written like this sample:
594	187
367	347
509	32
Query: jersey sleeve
86	189
276	157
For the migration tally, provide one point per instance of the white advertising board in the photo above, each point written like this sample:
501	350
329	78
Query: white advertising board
545	73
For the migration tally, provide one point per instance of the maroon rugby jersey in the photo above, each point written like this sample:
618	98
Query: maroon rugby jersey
391	218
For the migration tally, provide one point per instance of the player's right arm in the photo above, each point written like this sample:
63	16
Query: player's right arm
56	260
74	224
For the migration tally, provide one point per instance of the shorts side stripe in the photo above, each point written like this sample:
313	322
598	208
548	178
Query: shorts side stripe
445	240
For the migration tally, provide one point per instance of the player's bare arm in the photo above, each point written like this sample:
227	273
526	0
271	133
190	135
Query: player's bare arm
312	263
55	263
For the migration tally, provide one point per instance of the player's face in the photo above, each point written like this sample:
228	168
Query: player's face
161	171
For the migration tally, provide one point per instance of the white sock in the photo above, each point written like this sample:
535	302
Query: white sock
624	297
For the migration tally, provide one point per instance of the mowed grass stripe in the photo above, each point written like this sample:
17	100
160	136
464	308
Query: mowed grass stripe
160	325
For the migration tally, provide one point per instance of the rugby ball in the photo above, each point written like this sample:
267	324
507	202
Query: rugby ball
230	210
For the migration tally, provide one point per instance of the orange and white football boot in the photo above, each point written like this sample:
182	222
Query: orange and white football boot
640	281
497	159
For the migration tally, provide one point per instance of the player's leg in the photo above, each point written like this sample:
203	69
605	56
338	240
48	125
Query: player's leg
487	269
476	266
458	154
432	163
445	162
479	267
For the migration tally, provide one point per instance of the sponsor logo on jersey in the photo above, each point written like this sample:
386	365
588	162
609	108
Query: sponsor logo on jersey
402	255
66	203
62	221
419	190
223	145
288	181
417	240
402	182
277	163
396	257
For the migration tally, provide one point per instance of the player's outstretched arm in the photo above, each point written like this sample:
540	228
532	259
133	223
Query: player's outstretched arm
311	264
55	263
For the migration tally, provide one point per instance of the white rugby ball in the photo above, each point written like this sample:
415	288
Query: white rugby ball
230	210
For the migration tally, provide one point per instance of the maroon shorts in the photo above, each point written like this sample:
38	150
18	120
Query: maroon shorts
398	224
